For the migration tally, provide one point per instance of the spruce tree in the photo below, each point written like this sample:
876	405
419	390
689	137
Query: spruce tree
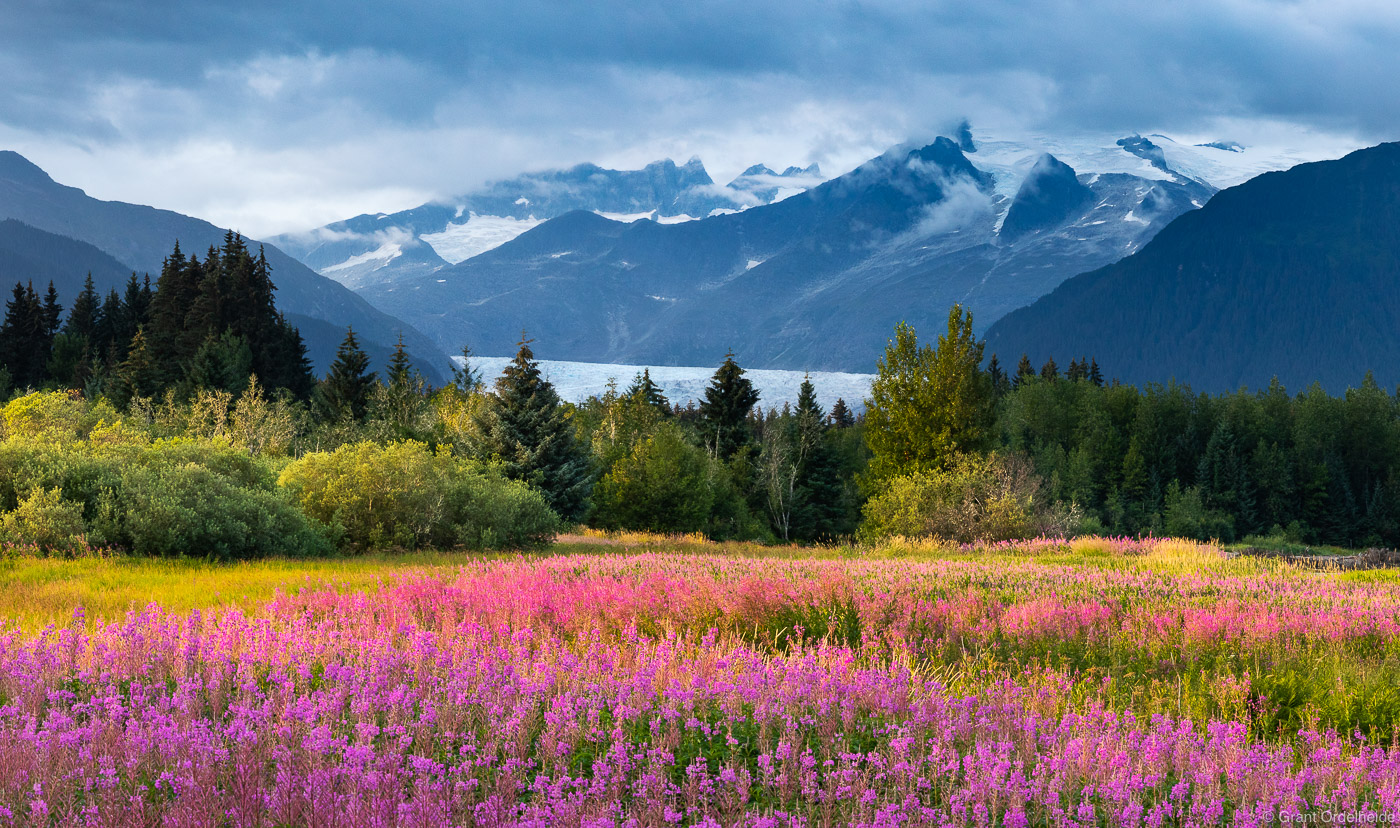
400	367
83	315
172	342
525	428
729	399
1050	371
401	401
818	511
841	416
345	392
1000	383
288	365
111	335
466	378
138	375
24	341
1024	371
137	302
221	364
1095	375
53	313
644	390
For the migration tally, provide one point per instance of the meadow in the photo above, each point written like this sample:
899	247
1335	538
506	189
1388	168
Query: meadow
636	680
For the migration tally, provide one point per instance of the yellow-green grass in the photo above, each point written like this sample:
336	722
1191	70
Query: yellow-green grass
36	592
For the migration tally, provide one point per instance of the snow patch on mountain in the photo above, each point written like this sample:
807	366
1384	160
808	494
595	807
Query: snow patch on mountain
381	255
476	235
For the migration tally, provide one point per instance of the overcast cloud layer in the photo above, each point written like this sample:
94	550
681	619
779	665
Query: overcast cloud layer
273	117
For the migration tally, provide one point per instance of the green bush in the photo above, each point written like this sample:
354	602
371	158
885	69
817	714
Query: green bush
192	511
975	498
490	512
1187	516
54	416
46	520
663	484
64	474
403	494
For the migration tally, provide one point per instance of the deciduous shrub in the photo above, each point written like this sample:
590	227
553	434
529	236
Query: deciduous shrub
975	498
46	520
664	484
193	511
404	494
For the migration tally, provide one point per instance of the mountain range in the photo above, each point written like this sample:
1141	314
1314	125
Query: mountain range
661	266
377	249
65	233
818	279
1293	275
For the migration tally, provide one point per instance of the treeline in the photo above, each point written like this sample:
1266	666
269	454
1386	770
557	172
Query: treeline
204	324
961	451
1164	460
372	456
202	361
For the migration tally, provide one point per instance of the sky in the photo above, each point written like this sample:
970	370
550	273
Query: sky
270	117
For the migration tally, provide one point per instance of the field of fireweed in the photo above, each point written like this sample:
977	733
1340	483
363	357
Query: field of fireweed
1046	683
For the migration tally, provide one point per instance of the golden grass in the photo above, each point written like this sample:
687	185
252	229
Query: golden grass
36	592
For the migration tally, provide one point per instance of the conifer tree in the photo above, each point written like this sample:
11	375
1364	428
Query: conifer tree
400	367
221	364
1024	371
648	392
53	313
83	314
729	399
288	365
138	374
1000	383
525	428
401	401
345	392
111	336
819	506
1095	375
464	377
841	416
171	340
137	301
24	340
1050	371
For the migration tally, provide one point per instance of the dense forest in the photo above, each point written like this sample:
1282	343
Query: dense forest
199	368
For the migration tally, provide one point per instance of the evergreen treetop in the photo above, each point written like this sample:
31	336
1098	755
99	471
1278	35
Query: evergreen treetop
841	416
645	390
345	392
724	413
525	428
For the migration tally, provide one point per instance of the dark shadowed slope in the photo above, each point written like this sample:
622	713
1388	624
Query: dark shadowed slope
1293	274
141	237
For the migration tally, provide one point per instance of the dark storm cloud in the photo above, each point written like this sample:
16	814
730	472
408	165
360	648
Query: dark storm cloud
1105	61
515	78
